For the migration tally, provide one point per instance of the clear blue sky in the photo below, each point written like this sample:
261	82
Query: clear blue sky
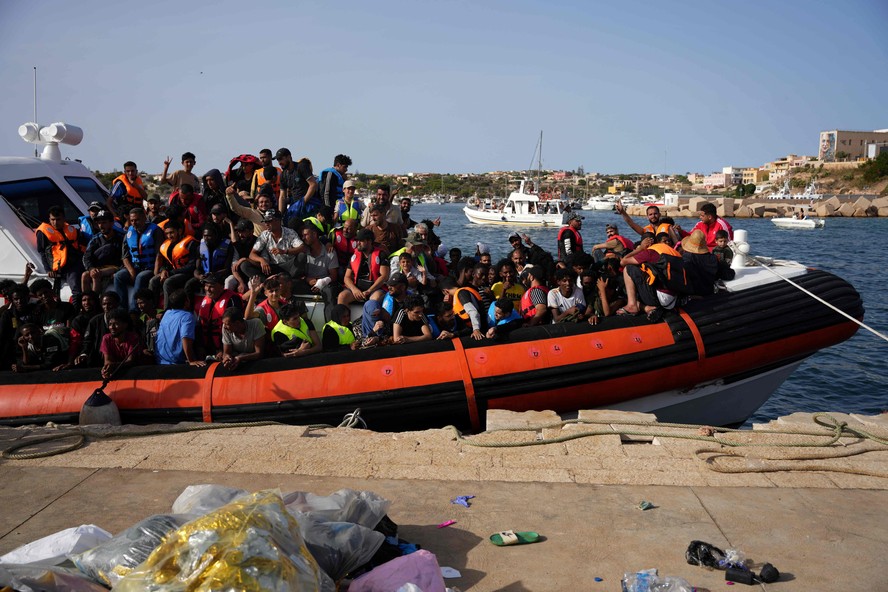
456	86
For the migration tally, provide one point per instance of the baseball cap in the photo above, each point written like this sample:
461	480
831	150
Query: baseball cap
397	278
270	215
414	239
153	197
243	224
365	234
610	227
483	248
213	278
281	152
574	216
104	215
217	209
348	184
94	206
514	236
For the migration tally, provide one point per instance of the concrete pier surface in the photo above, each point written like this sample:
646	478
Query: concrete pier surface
816	513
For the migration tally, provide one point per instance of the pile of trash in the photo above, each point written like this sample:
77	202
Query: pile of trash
220	538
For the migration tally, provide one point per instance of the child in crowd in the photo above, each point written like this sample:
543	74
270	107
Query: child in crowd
721	250
121	346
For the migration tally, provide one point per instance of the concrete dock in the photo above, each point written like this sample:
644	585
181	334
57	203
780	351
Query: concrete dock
816	513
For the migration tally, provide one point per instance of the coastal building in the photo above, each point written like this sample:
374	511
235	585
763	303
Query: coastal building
696	178
777	169
717	180
848	145
754	175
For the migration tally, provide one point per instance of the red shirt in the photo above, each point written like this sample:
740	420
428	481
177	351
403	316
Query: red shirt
118	351
719	224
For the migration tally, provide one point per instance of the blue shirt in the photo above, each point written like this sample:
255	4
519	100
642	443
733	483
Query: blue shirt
174	325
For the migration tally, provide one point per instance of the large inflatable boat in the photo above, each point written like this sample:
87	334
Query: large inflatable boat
714	361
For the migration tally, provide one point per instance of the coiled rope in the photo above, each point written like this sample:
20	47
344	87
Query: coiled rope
836	430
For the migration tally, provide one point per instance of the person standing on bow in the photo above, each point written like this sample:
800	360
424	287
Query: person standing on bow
332	180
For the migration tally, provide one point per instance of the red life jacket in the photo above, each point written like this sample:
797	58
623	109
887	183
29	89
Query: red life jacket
375	261
528	309
270	313
577	237
627	244
344	247
210	315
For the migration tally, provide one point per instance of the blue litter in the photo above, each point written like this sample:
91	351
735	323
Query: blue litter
462	500
599	579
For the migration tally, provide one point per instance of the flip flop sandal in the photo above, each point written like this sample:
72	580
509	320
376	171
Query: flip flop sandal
622	312
510	537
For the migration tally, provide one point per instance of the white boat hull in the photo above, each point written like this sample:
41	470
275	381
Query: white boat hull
795	223
504	218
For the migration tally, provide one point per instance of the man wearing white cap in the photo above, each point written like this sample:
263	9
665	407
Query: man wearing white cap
347	208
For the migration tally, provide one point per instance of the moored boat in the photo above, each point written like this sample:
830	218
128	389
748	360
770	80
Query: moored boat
798	223
522	208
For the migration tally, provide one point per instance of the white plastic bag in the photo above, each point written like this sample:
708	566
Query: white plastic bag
55	548
201	499
45	578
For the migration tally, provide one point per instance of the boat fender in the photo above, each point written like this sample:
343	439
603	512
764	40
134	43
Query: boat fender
99	408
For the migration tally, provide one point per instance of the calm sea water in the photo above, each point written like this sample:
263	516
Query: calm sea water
850	377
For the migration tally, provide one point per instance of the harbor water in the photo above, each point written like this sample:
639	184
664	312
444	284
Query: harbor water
849	377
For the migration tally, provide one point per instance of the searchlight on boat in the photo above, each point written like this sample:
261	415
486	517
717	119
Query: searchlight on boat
50	137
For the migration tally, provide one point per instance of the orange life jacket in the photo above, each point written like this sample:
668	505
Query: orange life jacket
60	242
458	308
179	257
132	192
189	229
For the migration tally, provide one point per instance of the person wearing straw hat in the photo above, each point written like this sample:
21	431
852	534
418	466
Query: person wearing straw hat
701	265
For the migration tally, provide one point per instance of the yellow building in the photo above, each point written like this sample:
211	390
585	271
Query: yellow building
754	175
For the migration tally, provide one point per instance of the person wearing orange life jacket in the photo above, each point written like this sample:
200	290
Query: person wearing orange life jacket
127	191
645	293
466	302
534	302
61	247
177	212
569	239
263	175
210	310
176	260
615	243
367	272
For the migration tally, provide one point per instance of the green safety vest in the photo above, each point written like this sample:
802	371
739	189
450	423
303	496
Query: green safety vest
291	332
346	337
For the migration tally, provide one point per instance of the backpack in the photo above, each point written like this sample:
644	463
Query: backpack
668	272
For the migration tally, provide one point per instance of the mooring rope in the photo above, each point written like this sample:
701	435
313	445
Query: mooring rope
766	266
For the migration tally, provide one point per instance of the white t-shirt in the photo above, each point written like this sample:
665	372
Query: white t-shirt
558	301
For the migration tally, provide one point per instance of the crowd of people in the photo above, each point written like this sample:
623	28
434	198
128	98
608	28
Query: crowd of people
220	270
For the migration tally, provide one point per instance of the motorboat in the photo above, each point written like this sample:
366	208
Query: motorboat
600	203
713	360
782	193
810	193
798	223
522	208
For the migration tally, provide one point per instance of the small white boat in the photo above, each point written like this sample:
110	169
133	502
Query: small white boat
600	203
799	223
810	192
521	209
782	193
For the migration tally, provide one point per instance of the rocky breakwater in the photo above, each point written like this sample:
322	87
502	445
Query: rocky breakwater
728	207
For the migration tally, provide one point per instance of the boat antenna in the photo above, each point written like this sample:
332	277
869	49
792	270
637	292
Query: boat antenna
36	154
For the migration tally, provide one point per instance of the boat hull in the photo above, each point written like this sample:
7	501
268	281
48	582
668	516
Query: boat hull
509	219
715	362
795	223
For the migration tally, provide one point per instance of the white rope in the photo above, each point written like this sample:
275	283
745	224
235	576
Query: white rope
818	298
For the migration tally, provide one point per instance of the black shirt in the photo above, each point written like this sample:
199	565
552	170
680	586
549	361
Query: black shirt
294	181
410	328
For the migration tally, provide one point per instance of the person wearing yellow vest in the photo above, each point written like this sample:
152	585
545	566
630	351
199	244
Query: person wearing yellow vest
127	191
337	333
176	260
348	208
644	293
295	335
61	247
